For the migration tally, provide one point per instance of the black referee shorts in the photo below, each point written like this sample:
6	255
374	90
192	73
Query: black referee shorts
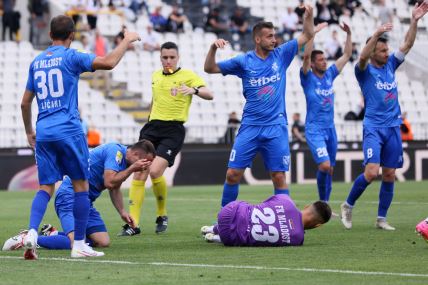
166	136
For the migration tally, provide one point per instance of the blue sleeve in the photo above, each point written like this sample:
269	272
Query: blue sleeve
360	74
30	80
232	66
394	62
288	51
114	158
80	61
333	71
304	77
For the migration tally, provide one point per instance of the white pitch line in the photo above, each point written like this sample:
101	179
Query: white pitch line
225	266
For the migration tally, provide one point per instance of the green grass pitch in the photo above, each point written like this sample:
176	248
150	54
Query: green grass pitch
330	255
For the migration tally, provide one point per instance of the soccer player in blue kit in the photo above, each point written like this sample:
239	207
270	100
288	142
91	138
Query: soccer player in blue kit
317	82
381	126
264	123
59	143
111	164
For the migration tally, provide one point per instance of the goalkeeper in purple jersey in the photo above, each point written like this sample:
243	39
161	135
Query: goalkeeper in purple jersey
275	222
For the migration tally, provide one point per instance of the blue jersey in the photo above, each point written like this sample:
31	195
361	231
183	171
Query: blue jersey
319	98
110	156
53	77
263	82
379	88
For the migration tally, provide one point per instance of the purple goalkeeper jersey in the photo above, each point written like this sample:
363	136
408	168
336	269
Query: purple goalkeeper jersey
275	222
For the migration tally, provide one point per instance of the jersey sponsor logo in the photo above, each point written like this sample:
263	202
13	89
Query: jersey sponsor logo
387	86
275	67
389	98
119	157
327	101
324	92
261	81
174	91
266	93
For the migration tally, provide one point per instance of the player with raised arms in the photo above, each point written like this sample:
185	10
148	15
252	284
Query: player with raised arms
264	122
59	143
382	146
317	82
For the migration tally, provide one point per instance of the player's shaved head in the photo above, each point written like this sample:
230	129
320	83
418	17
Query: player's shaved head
62	27
260	26
322	212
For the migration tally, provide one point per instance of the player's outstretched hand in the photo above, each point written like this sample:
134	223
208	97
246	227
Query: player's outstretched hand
32	139
320	27
345	28
420	10
186	90
131	36
219	43
383	29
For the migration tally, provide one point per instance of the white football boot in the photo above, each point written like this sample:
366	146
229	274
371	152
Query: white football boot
15	242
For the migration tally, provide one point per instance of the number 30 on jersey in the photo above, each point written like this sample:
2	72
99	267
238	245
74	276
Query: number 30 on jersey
49	83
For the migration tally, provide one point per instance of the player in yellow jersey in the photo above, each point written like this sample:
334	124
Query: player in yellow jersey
172	90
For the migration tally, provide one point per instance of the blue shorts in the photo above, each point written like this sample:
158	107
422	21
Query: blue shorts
64	201
270	141
69	156
323	144
383	146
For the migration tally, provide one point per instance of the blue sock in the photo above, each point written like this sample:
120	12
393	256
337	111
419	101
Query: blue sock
54	242
230	193
385	198
321	183
281	191
81	214
38	209
328	187
360	184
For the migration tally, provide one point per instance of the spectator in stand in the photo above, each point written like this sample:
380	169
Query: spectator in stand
289	23
149	40
176	20
215	23
123	6
86	44
406	128
137	7
233	124
92	8
355	53
94	137
158	21
324	13
100	44
298	129
37	9
332	47
238	22
8	18
385	14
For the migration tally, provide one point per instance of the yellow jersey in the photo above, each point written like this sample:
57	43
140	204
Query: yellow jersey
167	103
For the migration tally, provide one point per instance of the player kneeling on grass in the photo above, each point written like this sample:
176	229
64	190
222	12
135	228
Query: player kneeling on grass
422	229
110	165
275	222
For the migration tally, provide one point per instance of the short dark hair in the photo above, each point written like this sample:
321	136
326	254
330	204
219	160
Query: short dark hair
323	211
145	146
169	45
61	27
382	39
314	54
260	26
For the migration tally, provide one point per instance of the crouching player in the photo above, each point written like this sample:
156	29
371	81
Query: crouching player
275	222
422	229
110	165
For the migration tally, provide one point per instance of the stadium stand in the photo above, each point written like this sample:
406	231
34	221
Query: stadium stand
208	120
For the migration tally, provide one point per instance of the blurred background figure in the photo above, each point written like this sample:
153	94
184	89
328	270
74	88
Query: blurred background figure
406	128
298	129
233	124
